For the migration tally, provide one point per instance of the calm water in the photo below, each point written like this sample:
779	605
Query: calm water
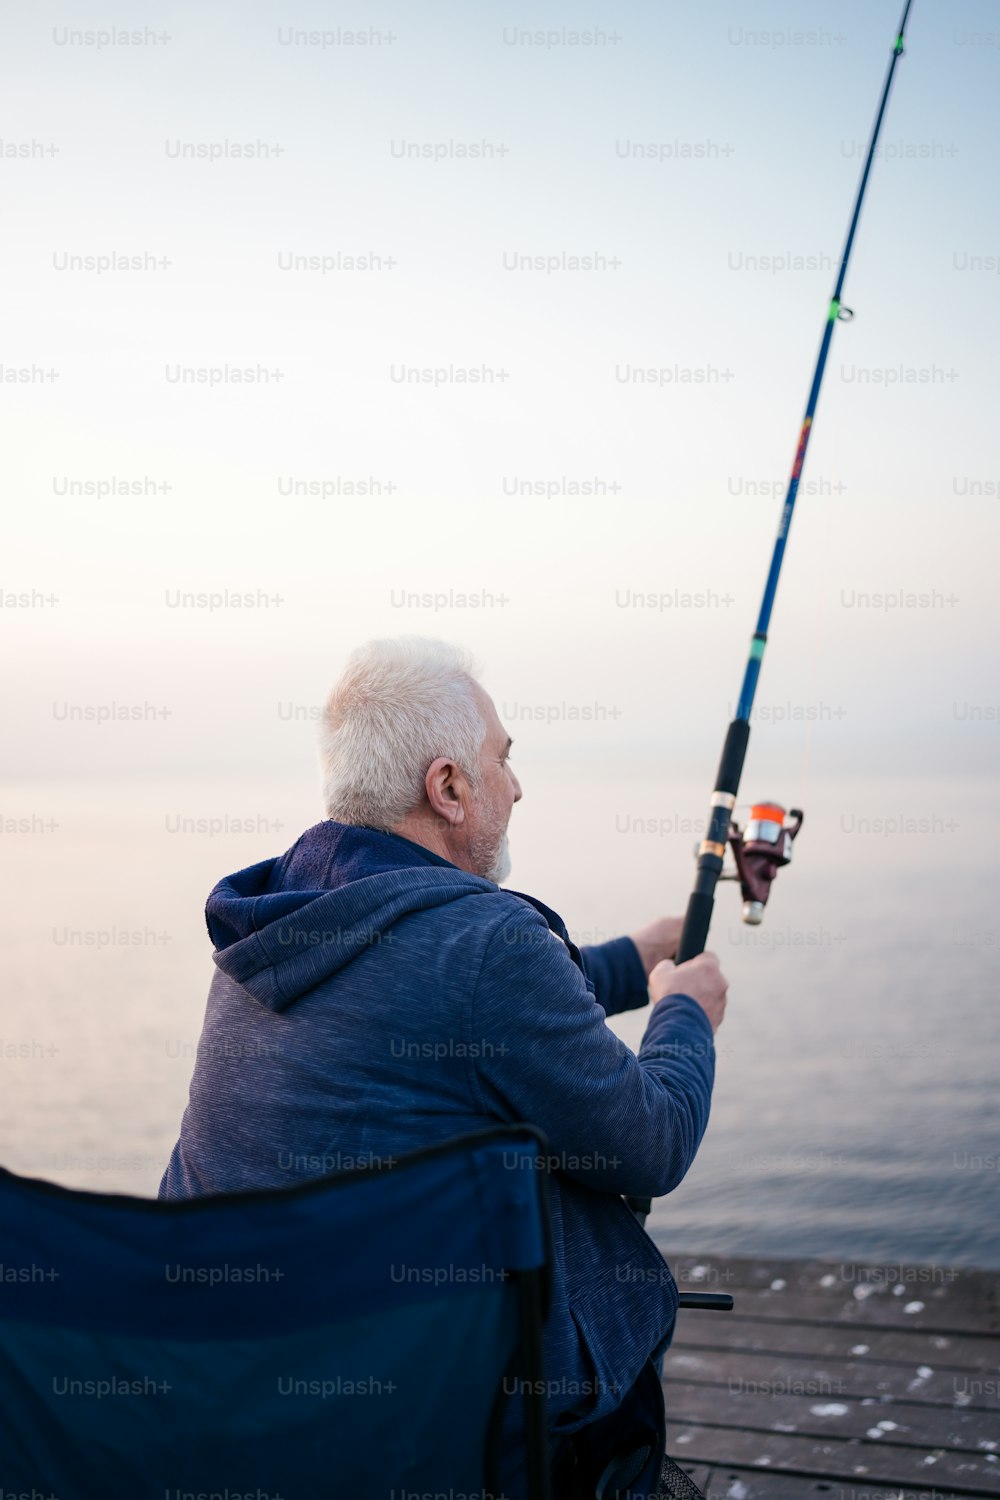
856	1114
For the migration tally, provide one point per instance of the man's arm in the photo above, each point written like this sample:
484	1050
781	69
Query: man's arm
616	971
615	1121
619	969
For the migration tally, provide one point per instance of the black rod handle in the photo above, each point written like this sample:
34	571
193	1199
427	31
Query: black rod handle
698	918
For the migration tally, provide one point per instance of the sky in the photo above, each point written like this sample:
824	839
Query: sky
453	248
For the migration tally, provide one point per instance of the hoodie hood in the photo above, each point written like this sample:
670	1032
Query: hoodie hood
283	926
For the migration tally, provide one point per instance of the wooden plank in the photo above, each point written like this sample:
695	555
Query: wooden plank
724	1272
880	1310
885	1422
928	1297
978	1357
814	1374
833	1460
725	1483
728	1273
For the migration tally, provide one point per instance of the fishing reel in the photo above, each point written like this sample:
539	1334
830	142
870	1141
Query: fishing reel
760	850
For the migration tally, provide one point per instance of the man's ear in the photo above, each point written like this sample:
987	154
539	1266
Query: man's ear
446	789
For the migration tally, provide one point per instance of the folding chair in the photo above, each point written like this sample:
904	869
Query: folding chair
349	1339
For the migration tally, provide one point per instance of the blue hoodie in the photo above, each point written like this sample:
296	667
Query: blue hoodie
371	999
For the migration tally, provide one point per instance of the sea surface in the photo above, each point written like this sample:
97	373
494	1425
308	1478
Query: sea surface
856	1113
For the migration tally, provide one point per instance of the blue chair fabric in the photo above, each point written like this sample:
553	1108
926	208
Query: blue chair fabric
351	1338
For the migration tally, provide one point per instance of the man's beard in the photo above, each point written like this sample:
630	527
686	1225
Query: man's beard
500	868
490	850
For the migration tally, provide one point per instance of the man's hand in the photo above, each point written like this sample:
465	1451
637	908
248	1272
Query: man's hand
700	977
657	941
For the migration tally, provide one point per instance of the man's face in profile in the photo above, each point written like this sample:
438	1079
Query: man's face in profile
490	809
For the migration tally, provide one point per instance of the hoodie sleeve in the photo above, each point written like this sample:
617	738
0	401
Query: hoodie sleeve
615	1121
617	974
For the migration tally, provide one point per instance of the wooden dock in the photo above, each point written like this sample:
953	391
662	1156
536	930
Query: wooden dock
836	1382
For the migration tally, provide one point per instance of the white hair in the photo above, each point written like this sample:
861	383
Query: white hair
398	705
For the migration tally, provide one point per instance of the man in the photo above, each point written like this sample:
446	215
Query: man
349	970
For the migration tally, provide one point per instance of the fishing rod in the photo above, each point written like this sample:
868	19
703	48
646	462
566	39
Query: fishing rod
765	845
